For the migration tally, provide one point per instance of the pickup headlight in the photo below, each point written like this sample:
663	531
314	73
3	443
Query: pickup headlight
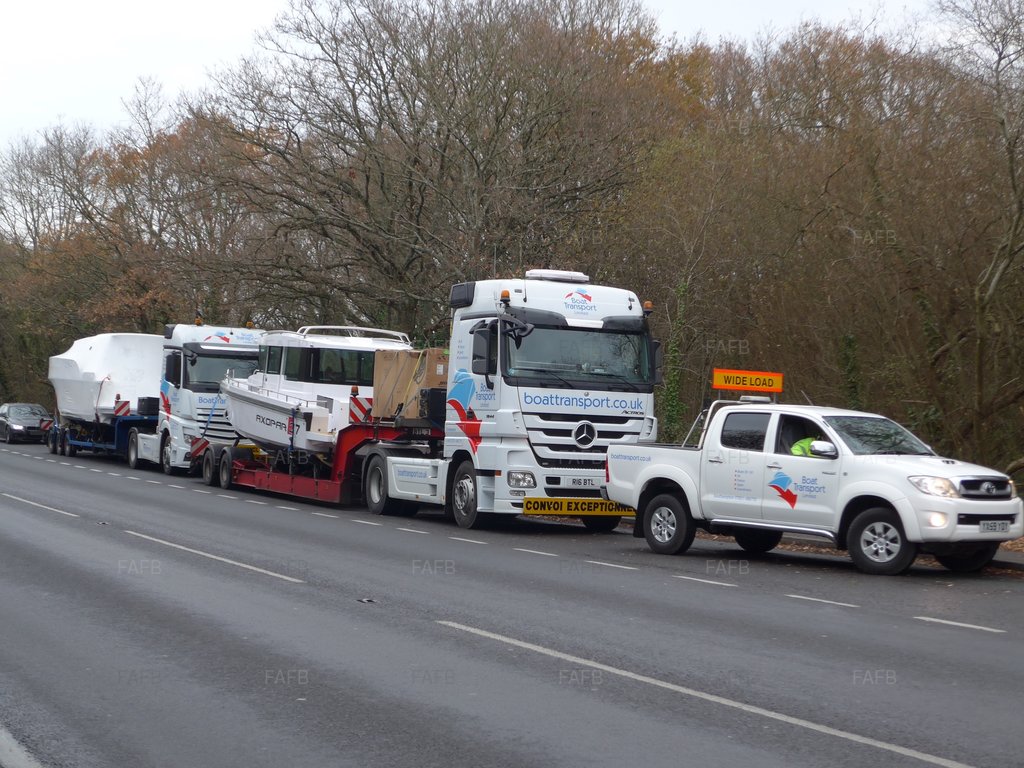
519	479
935	486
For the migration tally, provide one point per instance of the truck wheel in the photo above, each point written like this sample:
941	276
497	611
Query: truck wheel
375	491
878	544
61	440
70	450
165	455
601	523
464	497
757	542
224	473
133	449
210	475
668	527
969	558
51	440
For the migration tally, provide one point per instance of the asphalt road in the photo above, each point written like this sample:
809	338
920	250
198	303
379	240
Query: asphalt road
152	621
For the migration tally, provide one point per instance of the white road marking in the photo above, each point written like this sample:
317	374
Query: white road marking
38	458
172	485
226	496
535	552
413	530
216	557
95	470
41	506
293	509
954	623
65	463
704	581
710	697
114	474
318	514
613	565
200	490
52	461
132	478
79	466
366	522
470	541
13	754
819	600
253	501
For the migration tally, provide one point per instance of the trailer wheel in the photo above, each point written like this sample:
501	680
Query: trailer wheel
224	473
210	475
69	450
133	449
51	440
61	440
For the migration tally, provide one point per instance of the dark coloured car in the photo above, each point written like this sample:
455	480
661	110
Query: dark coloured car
23	422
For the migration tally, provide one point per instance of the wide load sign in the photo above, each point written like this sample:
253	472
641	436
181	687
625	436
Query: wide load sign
746	381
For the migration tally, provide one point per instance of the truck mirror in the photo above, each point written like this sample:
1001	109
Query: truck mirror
482	352
824	449
659	361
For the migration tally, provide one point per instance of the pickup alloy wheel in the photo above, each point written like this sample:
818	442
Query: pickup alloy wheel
668	527
878	545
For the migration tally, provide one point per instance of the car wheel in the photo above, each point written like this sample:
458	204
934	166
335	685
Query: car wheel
970	557
878	545
757	542
601	523
7	436
668	527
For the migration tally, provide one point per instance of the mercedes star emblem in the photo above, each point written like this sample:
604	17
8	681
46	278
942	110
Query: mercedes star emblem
584	434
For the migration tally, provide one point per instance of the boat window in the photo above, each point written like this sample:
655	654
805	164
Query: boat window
273	360
330	366
293	363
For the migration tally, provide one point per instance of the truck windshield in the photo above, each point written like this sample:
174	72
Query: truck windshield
874	435
580	357
203	373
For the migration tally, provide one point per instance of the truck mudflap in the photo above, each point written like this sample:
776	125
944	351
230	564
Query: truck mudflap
578	507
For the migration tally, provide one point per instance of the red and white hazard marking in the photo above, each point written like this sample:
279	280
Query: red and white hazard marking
122	408
359	409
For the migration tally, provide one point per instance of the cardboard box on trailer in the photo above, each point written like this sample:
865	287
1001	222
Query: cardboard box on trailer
400	375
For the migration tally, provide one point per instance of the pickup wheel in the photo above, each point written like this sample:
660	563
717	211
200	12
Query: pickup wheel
375	491
757	542
668	527
970	557
878	544
601	523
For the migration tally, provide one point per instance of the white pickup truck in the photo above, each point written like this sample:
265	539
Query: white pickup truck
863	482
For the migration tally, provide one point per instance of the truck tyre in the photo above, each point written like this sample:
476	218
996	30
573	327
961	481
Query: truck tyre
464	497
69	450
133	449
757	542
210	474
51	440
969	558
165	455
61	440
878	544
601	523
668	527
224	469
375	491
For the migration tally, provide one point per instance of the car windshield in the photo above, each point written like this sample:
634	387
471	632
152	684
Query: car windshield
586	357
27	411
876	435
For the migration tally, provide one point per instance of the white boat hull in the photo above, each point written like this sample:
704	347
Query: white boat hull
276	421
98	374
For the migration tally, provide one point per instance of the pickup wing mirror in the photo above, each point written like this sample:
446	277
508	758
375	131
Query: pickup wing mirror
824	449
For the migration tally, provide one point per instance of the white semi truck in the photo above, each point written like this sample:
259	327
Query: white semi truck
196	358
545	374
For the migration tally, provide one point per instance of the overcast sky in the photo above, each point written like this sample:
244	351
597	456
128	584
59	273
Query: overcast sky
71	62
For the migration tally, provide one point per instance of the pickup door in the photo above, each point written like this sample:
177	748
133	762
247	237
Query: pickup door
733	466
799	490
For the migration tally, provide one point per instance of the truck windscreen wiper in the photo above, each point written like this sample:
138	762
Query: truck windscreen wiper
631	384
547	372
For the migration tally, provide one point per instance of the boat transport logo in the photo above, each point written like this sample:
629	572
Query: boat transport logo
780	484
459	398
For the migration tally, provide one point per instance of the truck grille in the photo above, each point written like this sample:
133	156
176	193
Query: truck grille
216	427
566	441
985	488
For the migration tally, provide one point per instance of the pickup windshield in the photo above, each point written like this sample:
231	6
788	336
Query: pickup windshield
581	357
866	435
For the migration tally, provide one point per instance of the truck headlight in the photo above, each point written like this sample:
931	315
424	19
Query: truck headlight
935	486
518	479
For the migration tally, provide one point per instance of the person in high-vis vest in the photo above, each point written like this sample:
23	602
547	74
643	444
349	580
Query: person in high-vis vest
803	447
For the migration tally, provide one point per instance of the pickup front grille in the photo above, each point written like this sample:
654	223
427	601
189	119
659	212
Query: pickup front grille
969	519
985	488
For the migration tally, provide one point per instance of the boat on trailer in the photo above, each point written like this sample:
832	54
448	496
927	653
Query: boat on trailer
299	397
